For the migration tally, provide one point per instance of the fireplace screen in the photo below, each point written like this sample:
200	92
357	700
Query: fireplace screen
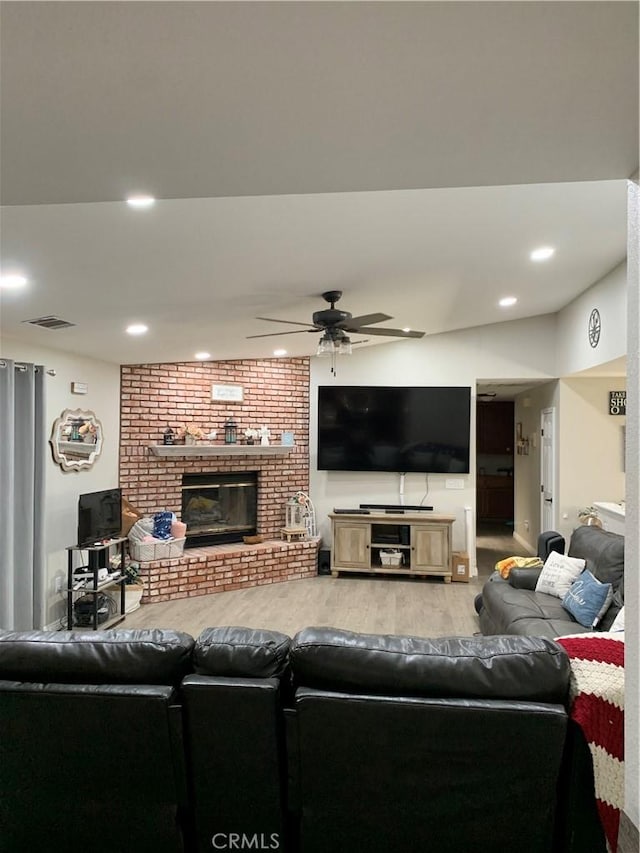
219	507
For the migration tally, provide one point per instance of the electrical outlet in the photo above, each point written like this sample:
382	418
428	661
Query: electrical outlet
454	484
525	524
57	583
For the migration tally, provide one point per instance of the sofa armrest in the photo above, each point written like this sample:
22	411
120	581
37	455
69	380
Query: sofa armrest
524	578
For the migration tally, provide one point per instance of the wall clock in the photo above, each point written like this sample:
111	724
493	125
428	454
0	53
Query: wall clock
594	328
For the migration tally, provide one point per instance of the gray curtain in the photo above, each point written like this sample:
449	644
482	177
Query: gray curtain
22	466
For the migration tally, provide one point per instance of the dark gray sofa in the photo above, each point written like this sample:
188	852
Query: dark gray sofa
514	607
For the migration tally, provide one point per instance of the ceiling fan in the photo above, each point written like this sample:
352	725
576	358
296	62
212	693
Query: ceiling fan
336	323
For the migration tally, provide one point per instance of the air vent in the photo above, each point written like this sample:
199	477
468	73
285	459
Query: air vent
50	322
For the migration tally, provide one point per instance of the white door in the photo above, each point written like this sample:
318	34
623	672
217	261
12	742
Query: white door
547	470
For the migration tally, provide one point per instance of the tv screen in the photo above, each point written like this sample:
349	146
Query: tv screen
396	429
99	516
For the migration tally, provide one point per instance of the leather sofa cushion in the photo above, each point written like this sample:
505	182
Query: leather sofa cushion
241	652
603	552
527	668
525	612
138	656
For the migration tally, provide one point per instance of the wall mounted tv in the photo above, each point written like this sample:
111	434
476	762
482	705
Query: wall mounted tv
373	428
99	516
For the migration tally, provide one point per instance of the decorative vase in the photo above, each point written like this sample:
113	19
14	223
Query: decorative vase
189	439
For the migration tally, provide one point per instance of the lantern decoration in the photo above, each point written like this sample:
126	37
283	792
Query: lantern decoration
295	525
230	431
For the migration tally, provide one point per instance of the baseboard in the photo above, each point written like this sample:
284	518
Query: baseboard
524	544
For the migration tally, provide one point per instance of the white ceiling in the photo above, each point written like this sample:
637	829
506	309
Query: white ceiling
409	154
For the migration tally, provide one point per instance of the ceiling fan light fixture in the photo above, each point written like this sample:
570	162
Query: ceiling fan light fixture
326	346
343	346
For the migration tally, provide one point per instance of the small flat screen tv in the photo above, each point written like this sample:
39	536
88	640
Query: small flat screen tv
99	516
374	428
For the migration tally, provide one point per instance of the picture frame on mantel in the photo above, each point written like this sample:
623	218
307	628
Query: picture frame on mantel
227	393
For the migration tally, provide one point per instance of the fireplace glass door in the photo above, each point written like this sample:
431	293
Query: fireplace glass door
219	507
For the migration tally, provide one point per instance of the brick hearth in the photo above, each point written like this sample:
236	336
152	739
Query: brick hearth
276	394
220	568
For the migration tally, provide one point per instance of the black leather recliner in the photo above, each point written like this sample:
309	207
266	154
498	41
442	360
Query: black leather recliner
90	745
415	744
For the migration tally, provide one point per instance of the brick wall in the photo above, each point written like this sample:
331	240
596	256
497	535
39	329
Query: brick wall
154	396
276	394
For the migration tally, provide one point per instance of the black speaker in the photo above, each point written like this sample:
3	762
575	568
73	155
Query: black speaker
324	561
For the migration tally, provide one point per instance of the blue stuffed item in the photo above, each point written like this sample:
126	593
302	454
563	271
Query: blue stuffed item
162	522
588	599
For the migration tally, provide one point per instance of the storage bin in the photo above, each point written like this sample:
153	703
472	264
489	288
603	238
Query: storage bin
391	558
145	552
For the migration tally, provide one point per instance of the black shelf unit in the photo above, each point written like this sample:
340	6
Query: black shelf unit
96	555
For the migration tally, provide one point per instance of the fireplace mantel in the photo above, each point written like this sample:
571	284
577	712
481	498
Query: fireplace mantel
179	451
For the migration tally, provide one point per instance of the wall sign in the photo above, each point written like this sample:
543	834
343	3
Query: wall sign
617	402
227	393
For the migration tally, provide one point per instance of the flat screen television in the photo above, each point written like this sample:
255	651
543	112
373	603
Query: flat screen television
374	428
99	516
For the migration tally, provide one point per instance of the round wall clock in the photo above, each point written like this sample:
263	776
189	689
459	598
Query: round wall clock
594	328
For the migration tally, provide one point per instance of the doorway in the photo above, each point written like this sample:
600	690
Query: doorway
494	463
547	469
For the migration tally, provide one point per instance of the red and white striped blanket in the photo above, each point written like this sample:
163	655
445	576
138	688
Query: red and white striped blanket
597	706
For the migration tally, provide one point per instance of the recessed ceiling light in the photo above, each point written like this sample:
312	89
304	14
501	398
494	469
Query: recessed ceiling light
543	253
13	281
202	356
279	352
140	202
137	329
406	329
507	301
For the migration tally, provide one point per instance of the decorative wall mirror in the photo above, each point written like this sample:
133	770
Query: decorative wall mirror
76	439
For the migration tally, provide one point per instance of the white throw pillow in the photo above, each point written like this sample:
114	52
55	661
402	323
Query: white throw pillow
558	573
618	622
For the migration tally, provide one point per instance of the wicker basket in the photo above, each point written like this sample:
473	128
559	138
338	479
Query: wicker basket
146	552
391	558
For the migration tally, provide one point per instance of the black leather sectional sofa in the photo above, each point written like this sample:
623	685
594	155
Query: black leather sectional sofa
333	742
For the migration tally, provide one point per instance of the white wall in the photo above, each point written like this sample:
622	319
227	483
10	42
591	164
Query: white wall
526	470
592	446
610	298
62	489
517	350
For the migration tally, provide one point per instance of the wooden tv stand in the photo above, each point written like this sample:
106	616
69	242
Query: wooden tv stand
423	538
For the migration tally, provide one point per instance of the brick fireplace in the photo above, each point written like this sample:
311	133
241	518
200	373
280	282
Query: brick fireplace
275	395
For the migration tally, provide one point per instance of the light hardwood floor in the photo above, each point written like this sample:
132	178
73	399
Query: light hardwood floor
425	607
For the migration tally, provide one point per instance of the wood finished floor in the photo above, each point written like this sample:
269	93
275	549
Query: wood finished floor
424	607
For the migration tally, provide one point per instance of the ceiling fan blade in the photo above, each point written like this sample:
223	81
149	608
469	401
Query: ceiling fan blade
392	333
368	319
289	322
277	334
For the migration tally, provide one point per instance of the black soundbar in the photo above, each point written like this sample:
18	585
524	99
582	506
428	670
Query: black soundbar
397	507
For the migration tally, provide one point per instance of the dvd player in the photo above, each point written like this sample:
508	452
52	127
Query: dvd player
397	507
361	511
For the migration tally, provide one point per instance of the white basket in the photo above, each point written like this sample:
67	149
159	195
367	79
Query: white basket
391	558
146	552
